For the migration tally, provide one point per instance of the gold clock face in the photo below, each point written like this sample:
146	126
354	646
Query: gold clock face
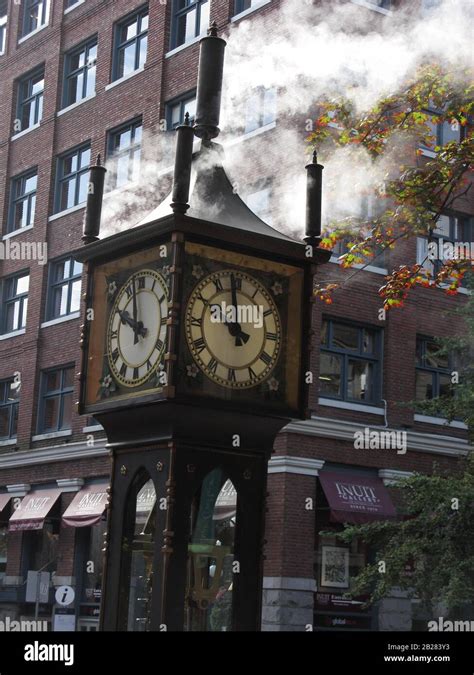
136	330
233	329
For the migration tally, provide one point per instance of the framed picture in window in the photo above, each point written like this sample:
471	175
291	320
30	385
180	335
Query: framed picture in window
335	567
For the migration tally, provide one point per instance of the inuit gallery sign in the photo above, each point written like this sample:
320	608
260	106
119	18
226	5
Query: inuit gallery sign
356	498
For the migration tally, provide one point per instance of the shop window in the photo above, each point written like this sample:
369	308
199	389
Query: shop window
433	370
64	289
79	72
453	236
138	544
176	110
189	20
125	146
14	303
209	591
56	400
131	39
72	178
9	404
30	100
350	362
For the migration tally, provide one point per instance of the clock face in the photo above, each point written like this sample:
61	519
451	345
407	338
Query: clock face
136	330
233	329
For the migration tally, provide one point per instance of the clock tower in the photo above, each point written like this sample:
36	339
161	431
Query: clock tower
195	348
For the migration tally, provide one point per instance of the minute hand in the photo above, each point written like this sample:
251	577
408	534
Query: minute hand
234	327
137	326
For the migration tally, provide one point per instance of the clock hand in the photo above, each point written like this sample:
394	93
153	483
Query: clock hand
135	332
137	326
234	327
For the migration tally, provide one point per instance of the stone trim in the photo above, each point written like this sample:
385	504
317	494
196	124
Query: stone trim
290	583
55	453
392	476
301	465
70	484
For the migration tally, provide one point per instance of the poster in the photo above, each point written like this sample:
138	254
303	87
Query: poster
335	567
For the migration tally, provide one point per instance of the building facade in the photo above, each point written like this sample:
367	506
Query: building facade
83	77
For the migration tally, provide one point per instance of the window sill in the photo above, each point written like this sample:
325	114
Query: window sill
250	10
66	212
33	33
74	105
15	233
13	334
373	7
7	442
441	421
24	132
345	405
52	434
115	83
359	266
93	429
251	134
176	50
61	319
70	9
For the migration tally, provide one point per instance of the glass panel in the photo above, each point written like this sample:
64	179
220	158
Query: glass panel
445	385
92	579
269	106
424	385
443	227
359	380
14	420
142	48
75	297
190	107
345	337
330	374
51	414
85	158
83	183
434	360
67	411
368	341
52	381
22	284
68	191
144	23
30	183
204	19
137	558
4	422
59	303
68	379
190	30
176	114
324	332
208	600
126	63
128	31
451	131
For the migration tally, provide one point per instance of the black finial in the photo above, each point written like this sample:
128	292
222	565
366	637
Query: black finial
93	210
212	30
186	119
97	161
315	157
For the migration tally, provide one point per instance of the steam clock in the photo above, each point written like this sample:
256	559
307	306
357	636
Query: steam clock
193	361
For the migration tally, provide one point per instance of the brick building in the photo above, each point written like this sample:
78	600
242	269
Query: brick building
82	77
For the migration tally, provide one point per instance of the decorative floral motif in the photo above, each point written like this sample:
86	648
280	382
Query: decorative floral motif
192	370
107	386
165	271
273	384
197	272
277	288
112	289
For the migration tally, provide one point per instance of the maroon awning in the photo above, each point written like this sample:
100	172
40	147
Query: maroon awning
33	510
87	507
354	498
4	499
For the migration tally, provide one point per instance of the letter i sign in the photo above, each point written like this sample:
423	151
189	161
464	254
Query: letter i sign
64	595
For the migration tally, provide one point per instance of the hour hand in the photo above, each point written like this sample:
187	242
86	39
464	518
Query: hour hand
138	327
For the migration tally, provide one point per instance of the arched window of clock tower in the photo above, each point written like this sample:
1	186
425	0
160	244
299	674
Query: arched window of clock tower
210	563
138	539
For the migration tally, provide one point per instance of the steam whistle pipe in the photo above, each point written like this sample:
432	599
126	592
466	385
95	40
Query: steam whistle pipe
209	88
182	166
95	193
314	182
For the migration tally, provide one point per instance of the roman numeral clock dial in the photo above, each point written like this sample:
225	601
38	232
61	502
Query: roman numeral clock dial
233	329
137	328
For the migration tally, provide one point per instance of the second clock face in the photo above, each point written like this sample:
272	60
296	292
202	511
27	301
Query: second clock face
233	329
137	328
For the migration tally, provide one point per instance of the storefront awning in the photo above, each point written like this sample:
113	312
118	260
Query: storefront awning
354	498
4	499
87	507
32	511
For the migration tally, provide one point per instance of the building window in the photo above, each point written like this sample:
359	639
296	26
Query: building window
131	43
190	19
56	400
453	236
79	73
433	370
176	110
35	15
242	5
260	109
71	3
72	178
23	201
350	362
125	145
30	99
64	291
259	201
442	132
15	303
9	402
3	26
